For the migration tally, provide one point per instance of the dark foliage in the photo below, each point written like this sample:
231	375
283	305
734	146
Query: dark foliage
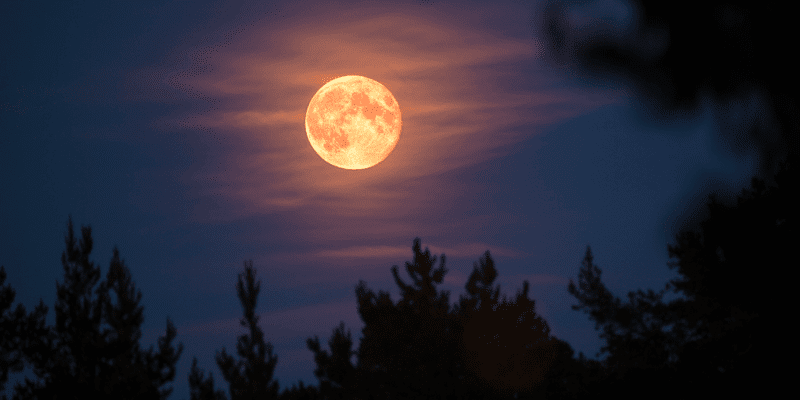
249	377
421	347
725	330
723	334
640	352
504	343
335	370
10	337
406	346
93	349
713	339
300	392
19	332
13	330
733	305
202	387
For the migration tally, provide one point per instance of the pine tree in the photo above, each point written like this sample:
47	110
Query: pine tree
407	348
335	370
714	338
732	310
420	347
506	345
93	349
12	331
639	347
250	377
202	387
300	392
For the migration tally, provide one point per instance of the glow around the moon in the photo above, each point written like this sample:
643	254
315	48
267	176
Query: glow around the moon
353	122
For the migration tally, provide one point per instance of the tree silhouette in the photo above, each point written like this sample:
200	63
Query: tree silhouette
571	377
732	336
10	337
718	335
713	338
93	349
337	375
202	387
18	331
249	377
420	347
407	349
638	342
507	346
14	330
300	392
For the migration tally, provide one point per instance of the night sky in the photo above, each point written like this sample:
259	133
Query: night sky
176	130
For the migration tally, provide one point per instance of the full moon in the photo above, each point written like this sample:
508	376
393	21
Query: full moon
353	122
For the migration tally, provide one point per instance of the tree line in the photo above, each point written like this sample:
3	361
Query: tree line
717	337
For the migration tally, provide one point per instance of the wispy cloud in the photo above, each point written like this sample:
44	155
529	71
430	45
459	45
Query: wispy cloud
286	325
320	319
468	94
402	252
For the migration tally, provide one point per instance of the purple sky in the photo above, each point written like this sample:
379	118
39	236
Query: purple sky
176	131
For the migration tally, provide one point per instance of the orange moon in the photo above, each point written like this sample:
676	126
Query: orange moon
353	122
